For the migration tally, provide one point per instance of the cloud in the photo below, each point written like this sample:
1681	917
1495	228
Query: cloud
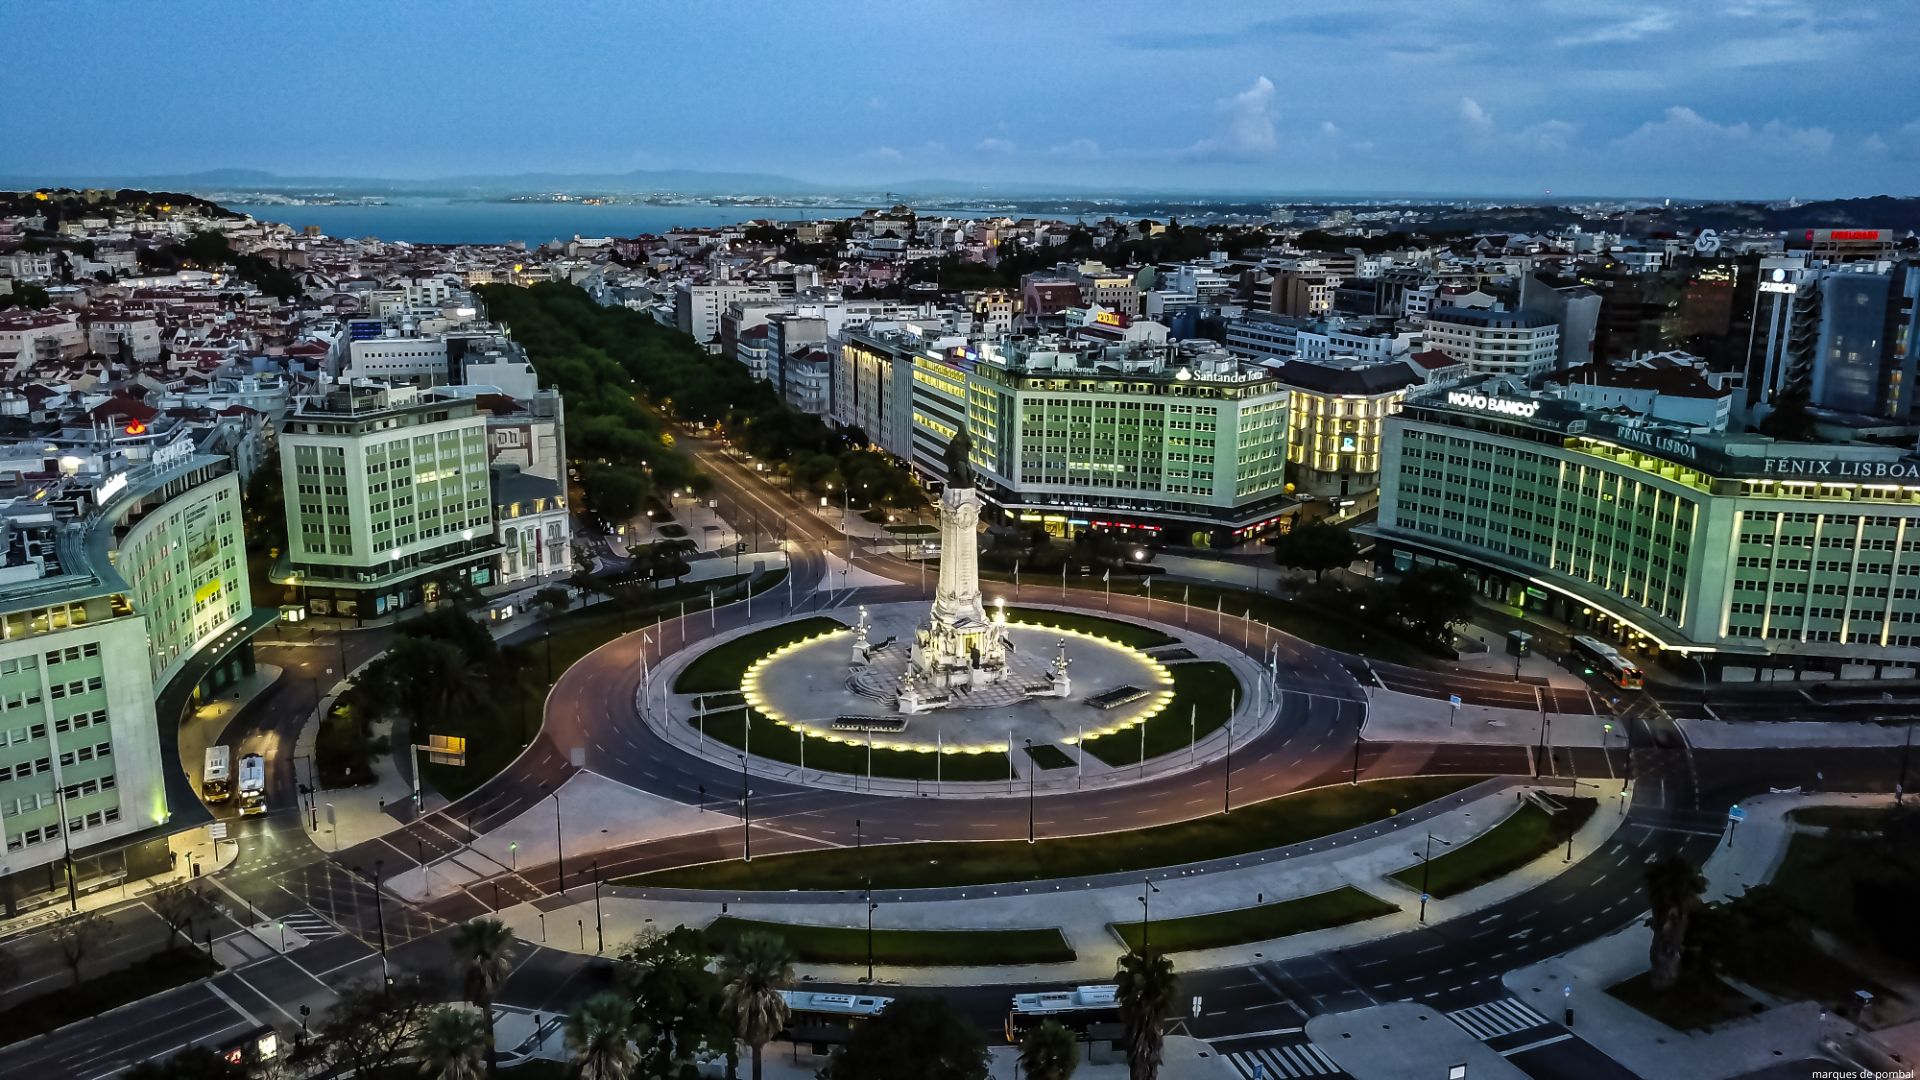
885	154
1620	31
992	145
1076	150
1247	134
1686	135
1547	136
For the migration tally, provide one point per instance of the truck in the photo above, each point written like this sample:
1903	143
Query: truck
216	782
253	785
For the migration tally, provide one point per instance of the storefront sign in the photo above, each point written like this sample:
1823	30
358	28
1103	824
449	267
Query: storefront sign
174	453
1465	399
110	487
1842	469
1668	446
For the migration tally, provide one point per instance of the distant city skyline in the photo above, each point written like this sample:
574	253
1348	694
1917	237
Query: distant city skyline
1750	99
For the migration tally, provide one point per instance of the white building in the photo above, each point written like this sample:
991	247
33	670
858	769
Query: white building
1495	342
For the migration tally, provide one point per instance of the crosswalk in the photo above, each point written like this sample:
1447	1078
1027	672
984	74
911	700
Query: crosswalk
1283	1062
1497	1018
310	926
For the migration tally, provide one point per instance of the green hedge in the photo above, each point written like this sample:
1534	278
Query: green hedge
909	948
1290	819
1524	836
1265	922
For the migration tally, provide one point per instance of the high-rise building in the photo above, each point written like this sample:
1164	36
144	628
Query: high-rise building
386	496
1179	441
124	596
1756	557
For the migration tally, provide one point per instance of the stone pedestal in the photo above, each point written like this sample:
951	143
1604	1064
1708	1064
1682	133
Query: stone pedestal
959	646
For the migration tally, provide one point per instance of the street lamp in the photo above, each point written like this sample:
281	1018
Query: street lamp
746	814
870	909
380	919
1030	771
599	928
1425	862
1146	914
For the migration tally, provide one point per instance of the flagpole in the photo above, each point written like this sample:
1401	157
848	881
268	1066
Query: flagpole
939	757
1186	603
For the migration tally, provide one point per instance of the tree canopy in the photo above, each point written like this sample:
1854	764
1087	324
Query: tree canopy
918	1036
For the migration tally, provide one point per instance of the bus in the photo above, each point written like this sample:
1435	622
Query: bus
823	1020
253	785
1083	1009
1604	660
215	781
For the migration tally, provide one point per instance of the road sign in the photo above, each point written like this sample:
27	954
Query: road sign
1736	813
1259	1071
739	546
217	831
1453	700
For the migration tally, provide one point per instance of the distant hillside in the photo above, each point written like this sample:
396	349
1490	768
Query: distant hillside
65	204
640	181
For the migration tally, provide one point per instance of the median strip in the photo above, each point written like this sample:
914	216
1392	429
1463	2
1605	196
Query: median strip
906	948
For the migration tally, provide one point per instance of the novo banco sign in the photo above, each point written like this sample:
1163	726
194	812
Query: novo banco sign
1463	399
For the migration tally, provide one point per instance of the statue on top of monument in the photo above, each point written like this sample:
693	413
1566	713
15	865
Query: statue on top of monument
959	471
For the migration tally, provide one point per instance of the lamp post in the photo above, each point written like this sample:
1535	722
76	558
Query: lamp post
380	920
1030	772
1906	752
870	909
1425	862
599	927
746	814
1146	914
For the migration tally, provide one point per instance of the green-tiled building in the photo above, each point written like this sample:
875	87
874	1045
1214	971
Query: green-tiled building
1740	551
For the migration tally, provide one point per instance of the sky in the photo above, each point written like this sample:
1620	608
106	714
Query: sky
1691	98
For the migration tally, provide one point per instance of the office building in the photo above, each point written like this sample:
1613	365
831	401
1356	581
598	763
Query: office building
1493	342
386	498
1338	411
1755	557
123	598
1180	442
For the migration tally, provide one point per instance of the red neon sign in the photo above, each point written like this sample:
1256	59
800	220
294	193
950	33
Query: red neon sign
135	427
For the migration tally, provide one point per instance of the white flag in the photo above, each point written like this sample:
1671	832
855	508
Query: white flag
1107	576
648	637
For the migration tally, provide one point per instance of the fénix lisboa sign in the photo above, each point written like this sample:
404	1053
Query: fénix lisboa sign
1465	399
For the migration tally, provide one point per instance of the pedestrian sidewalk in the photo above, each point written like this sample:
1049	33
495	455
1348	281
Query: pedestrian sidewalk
1393	717
1748	855
1083	914
194	854
1769	734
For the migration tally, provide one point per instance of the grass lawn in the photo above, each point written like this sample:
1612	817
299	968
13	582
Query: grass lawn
161	971
1523	837
1819	884
777	743
1290	819
1049	756
672	530
1202	700
720	668
1139	637
911	948
1856	818
1219	929
1322	628
1690	1005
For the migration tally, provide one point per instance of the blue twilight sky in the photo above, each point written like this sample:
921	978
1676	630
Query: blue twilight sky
1765	98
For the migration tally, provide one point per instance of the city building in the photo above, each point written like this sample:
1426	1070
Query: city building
1179	442
1493	342
531	524
124	596
1338	411
1754	557
386	498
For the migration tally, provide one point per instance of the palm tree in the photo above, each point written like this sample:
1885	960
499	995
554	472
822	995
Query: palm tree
1049	1052
752	971
1147	986
1673	894
484	948
601	1032
454	1045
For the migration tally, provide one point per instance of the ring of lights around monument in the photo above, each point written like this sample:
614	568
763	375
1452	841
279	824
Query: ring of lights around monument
802	686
